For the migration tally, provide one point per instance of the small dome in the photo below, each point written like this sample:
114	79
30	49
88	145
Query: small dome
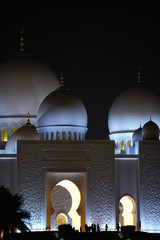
26	132
150	131
62	111
137	135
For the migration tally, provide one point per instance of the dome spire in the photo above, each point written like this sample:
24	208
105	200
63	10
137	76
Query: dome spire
28	120
139	76
21	49
62	80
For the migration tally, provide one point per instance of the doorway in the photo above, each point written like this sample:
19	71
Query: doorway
65	199
127	209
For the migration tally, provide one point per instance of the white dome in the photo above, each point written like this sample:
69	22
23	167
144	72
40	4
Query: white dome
26	132
61	107
133	108
150	131
137	135
24	83
61	110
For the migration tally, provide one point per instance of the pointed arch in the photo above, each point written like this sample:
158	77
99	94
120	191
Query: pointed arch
128	143
122	145
13	129
4	135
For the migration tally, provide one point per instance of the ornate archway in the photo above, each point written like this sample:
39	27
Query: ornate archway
65	199
127	208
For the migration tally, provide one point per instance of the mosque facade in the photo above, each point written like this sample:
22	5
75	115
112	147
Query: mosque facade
65	178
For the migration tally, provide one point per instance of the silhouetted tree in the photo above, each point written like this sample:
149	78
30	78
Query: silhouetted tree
12	216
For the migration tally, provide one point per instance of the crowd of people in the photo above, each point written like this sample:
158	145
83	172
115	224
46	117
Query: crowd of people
94	228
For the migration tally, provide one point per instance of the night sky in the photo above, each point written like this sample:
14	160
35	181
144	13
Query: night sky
96	47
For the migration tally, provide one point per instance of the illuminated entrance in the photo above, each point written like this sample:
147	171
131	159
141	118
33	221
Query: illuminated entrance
61	219
65	199
127	214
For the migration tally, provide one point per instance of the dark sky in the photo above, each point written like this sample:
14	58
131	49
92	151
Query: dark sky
97	47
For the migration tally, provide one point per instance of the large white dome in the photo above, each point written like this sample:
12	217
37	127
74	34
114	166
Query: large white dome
24	83
61	107
132	108
62	111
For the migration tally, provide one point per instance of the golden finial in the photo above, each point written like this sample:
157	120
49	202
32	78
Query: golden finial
62	81
28	120
28	124
21	49
139	76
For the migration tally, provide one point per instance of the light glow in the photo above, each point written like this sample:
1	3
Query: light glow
61	219
76	198
127	208
4	135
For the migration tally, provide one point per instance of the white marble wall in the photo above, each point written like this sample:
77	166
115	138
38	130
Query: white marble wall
149	164
95	158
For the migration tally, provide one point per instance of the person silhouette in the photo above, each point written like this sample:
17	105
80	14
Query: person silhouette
106	227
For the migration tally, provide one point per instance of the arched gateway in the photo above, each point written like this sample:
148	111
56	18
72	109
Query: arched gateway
127	208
